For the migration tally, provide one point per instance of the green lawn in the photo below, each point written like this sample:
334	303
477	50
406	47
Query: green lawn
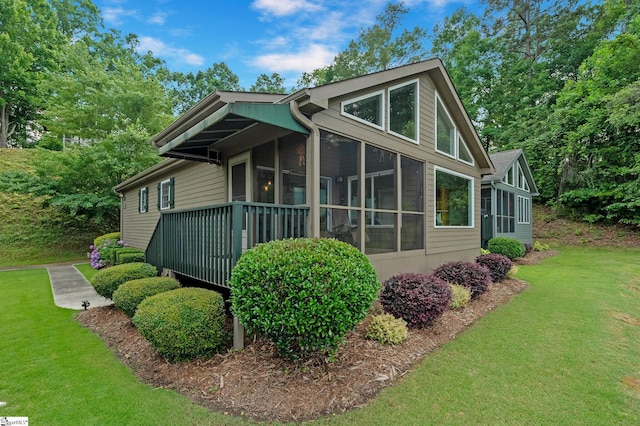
566	351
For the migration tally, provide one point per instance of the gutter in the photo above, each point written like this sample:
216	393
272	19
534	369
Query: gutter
313	165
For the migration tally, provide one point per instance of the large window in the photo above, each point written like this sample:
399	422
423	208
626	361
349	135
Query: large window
367	109
166	194
449	141
454	199
445	131
522	180
505	212
372	199
524	210
403	111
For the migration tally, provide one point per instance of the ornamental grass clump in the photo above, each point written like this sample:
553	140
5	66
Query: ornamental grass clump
418	299
303	294
509	247
387	329
183	324
129	295
497	264
460	296
471	275
108	280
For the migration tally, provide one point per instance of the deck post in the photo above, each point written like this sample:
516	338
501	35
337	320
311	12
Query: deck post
238	334
236	252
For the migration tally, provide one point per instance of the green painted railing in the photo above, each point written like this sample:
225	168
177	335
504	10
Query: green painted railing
205	243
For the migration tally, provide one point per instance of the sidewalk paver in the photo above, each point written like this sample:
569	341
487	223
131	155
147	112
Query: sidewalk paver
70	288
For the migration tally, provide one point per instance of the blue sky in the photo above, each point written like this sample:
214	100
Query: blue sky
257	36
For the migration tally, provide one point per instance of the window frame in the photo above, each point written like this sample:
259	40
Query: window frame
438	101
416	112
143	200
472	182
168	183
500	216
380	93
461	142
524	210
522	180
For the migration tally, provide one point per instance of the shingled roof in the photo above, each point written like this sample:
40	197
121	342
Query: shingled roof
502	162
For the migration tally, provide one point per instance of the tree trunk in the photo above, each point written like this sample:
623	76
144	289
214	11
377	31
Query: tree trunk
6	128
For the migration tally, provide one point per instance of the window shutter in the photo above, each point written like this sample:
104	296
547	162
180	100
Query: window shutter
171	192
146	199
159	195
139	200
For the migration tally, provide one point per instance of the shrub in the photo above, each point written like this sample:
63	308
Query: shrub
509	247
460	296
113	236
129	295
471	275
513	271
127	255
108	280
184	323
387	330
497	264
418	299
303	294
103	253
538	246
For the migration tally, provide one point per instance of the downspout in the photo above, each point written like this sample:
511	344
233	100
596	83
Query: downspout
313	168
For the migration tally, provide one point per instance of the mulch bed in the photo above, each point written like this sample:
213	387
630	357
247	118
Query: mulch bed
257	384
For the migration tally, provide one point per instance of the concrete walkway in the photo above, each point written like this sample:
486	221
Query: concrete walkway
70	288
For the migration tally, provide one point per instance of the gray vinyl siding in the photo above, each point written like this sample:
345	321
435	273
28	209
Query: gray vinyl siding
196	185
523	232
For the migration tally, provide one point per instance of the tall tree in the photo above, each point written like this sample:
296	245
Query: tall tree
273	83
378	47
103	87
188	89
29	40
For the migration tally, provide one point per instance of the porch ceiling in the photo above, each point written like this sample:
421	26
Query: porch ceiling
198	141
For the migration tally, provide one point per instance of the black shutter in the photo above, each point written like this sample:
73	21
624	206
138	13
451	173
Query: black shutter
146	199
159	195
171	192
139	199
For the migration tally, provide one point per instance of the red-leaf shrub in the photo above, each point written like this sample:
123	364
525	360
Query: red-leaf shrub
497	264
418	299
471	275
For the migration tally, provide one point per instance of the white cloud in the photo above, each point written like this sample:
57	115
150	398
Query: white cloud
306	59
158	18
281	8
161	49
114	15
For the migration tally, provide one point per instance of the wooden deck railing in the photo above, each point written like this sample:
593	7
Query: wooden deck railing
205	243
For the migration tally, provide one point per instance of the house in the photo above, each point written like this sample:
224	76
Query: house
506	198
388	162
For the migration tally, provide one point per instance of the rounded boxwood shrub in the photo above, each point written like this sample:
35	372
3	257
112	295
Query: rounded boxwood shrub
387	329
497	264
509	247
129	295
418	299
460	296
112	236
108	280
183	324
303	294
471	275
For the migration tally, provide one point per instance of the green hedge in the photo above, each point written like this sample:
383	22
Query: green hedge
113	236
106	281
303	294
509	247
183	324
127	255
129	295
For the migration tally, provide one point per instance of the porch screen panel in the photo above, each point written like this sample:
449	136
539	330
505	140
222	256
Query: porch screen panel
293	150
